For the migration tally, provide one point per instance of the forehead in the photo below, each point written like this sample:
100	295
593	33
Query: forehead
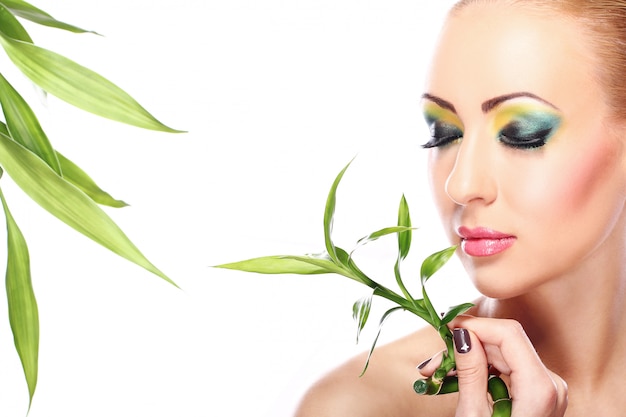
493	49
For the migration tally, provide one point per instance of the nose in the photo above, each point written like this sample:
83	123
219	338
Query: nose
473	177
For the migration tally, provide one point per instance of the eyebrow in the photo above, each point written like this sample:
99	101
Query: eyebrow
441	102
488	105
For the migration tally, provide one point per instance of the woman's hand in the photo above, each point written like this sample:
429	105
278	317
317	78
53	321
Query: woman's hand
503	345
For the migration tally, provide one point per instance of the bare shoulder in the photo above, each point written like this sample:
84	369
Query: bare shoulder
386	389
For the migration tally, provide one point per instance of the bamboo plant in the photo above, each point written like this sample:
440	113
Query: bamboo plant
336	260
50	179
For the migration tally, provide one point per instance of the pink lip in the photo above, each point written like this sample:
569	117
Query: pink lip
482	241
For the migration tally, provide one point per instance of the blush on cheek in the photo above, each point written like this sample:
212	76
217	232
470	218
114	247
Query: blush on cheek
588	172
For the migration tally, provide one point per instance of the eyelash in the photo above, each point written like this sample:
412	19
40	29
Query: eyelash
535	140
450	134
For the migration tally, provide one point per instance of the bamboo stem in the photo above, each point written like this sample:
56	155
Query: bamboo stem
502	403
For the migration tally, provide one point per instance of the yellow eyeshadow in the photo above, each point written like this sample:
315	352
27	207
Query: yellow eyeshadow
433	112
514	112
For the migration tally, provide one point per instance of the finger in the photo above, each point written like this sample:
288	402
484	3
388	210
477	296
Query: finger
472	372
430	365
507	347
562	393
504	340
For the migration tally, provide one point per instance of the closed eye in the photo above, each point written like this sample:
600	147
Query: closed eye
533	140
530	130
442	134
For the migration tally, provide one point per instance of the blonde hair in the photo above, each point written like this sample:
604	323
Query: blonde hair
605	23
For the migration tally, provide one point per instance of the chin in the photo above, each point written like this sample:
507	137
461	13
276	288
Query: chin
500	277
498	292
498	285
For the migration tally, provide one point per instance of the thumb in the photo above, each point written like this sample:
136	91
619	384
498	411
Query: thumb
471	368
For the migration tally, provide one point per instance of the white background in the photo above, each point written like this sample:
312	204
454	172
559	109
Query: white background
277	96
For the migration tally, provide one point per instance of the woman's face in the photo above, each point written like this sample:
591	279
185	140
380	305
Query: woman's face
526	164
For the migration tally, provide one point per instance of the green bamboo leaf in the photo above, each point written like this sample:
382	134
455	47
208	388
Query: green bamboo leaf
75	175
23	312
11	27
301	265
455	311
329	213
4	130
380	233
14	29
380	327
404	219
434	262
68	203
283	265
433	319
419	302
404	244
24	126
77	85
383	232
430	266
347	264
28	11
324	261
360	313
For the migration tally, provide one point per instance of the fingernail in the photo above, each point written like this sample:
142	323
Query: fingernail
423	364
462	341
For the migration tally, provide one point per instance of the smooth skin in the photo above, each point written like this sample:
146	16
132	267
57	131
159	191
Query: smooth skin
553	318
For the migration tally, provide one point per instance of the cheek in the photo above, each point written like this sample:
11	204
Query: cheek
587	184
595	170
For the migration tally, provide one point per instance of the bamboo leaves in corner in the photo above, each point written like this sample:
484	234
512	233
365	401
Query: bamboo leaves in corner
78	85
23	312
66	202
50	179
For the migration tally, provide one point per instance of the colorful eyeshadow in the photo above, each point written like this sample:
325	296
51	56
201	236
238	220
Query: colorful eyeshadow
445	126
525	125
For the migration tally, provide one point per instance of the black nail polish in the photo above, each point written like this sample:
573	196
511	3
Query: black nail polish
423	364
462	341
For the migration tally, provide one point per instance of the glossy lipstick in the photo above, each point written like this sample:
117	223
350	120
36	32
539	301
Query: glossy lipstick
482	241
